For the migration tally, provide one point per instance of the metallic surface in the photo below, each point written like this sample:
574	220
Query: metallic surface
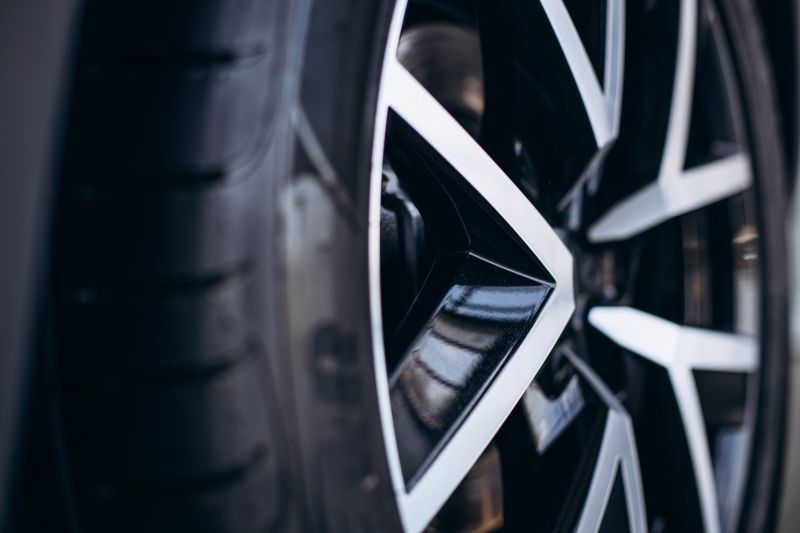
416	106
549	418
406	96
603	103
676	190
681	350
477	504
446	59
426	388
617	455
472	330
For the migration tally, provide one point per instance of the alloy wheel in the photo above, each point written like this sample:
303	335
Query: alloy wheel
564	267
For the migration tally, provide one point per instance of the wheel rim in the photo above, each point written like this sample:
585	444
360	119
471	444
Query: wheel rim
448	382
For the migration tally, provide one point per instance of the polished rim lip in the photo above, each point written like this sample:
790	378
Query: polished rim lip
374	254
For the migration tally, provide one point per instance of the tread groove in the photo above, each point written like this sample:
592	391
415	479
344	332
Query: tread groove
164	287
197	283
199	484
159	247
169	377
178	179
244	55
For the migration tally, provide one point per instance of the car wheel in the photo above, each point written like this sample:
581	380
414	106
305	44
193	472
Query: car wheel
424	265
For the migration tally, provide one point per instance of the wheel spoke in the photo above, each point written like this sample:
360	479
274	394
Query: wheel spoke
676	190
671	196
415	105
681	350
617	457
671	345
449	346
674	156
602	103
417	387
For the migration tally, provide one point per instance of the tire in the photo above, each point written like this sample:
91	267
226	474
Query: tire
176	412
168	403
212	319
763	492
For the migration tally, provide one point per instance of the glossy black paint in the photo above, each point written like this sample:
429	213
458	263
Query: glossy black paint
403	251
467	320
535	125
455	216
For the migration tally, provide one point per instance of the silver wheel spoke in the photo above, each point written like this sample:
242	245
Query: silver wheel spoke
404	95
414	104
680	350
676	191
617	457
671	345
602	103
671	196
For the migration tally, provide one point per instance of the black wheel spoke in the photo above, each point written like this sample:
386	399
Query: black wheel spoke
462	328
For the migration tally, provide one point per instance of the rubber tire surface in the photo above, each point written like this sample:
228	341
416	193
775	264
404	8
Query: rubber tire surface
178	384
756	85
